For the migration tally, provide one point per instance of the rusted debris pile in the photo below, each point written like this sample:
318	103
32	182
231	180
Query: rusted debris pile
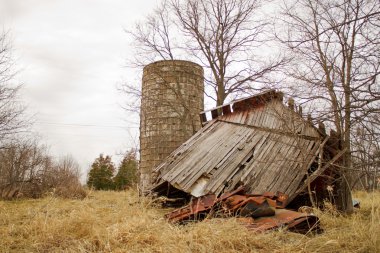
258	212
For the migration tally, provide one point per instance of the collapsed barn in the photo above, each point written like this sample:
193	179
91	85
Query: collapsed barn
263	151
258	143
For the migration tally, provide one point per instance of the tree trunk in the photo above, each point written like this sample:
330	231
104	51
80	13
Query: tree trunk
344	197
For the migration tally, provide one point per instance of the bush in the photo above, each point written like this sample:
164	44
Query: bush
27	171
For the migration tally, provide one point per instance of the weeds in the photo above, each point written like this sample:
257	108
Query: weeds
123	222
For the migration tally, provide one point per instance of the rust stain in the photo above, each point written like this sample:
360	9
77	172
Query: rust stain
196	207
294	221
257	212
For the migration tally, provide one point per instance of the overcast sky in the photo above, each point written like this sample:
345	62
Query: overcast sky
71	56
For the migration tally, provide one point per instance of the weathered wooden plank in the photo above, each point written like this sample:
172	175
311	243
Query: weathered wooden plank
252	134
289	118
257	154
262	171
256	114
308	158
226	150
200	154
259	118
276	168
287	170
201	157
186	149
238	174
267	174
241	175
196	149
288	173
250	118
219	149
267	119
229	166
260	161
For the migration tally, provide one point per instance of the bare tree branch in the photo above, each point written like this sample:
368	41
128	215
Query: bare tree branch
224	36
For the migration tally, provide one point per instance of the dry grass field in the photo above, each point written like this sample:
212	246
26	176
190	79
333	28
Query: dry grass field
121	222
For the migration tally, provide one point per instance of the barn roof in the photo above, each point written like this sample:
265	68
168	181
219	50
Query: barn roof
257	142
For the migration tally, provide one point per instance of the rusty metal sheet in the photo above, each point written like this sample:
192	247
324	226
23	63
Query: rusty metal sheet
196	206
230	203
226	195
258	212
294	221
238	201
280	198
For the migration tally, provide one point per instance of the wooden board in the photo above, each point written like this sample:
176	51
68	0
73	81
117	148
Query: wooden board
249	147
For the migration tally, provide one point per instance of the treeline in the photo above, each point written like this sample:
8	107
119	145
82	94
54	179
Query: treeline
28	171
103	176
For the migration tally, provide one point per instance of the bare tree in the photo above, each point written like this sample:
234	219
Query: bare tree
22	164
335	45
63	178
12	119
153	38
27	170
366	156
224	36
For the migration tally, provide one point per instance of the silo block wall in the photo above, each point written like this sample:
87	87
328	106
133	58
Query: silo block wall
172	97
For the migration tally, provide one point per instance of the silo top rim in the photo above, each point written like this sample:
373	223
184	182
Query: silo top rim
168	62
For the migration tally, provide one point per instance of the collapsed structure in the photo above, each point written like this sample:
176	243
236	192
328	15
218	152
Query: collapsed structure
258	143
251	155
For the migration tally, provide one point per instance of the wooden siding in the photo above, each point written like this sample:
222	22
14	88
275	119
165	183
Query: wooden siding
273	116
268	148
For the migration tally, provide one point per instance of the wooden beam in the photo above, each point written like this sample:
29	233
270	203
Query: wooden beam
316	174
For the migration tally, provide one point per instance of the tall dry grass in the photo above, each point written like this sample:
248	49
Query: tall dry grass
121	222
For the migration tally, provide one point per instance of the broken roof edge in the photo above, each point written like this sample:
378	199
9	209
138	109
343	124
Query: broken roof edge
264	96
275	131
242	104
257	100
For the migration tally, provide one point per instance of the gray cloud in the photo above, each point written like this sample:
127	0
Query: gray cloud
72	53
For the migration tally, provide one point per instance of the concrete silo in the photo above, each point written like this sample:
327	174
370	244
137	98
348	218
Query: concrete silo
172	98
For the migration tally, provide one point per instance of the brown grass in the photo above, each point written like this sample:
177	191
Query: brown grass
120	222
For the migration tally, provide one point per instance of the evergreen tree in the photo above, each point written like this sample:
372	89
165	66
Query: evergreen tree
101	173
127	174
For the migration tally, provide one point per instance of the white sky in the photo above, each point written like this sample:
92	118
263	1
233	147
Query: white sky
71	55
